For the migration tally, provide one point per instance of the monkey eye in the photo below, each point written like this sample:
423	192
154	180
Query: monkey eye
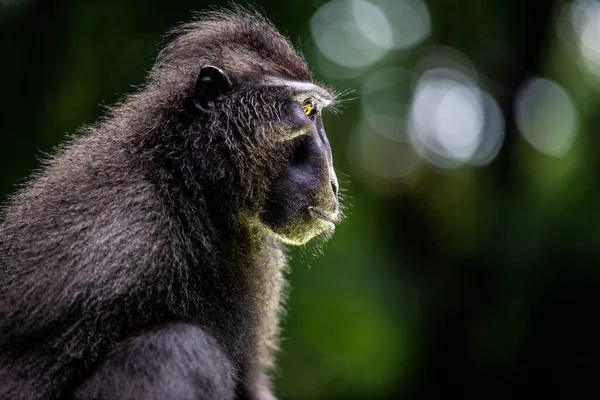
309	107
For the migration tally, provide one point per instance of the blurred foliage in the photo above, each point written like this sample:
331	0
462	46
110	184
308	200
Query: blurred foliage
476	281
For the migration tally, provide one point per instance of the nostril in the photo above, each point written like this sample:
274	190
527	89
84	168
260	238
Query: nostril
334	187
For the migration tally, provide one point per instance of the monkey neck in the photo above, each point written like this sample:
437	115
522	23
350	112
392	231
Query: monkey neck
263	269
256	260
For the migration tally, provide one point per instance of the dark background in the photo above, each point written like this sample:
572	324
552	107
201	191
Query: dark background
459	270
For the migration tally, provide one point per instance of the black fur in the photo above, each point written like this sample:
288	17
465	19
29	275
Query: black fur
134	264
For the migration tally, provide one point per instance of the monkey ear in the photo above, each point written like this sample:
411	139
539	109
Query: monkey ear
212	84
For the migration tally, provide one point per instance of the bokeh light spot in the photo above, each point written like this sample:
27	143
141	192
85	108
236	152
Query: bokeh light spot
351	33
446	117
585	18
546	117
410	21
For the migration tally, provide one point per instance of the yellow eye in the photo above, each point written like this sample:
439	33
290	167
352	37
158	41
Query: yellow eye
308	107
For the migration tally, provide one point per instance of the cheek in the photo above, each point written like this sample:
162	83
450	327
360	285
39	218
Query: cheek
286	212
303	174
288	199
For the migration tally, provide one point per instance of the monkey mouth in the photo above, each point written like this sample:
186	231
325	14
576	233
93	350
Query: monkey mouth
320	214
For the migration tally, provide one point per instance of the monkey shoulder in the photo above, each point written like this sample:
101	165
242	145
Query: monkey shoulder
87	223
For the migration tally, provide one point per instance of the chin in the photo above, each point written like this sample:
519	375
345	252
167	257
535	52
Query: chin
298	235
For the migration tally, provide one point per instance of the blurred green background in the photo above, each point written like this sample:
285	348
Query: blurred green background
468	264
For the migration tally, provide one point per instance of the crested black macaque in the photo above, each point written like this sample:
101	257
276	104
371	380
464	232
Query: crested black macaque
145	259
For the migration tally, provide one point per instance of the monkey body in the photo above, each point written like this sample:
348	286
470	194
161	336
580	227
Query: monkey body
146	259
177	285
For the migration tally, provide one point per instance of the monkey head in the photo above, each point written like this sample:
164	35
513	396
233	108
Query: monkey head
258	123
301	198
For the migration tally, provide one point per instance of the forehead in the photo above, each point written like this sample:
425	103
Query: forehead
302	90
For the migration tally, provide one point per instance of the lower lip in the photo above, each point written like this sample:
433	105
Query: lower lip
320	216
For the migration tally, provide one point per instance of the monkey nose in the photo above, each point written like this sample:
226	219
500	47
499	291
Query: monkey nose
334	187
333	181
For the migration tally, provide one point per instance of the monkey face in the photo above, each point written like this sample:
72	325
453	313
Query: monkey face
303	198
302	189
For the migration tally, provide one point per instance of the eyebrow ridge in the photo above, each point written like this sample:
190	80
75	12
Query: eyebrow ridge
321	94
